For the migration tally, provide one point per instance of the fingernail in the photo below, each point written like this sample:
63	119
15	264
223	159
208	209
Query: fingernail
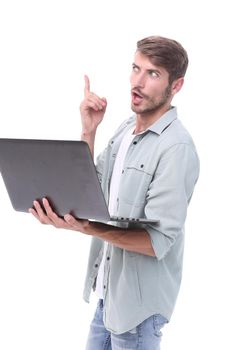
68	217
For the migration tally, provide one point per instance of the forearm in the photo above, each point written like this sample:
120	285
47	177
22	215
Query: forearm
90	139
134	240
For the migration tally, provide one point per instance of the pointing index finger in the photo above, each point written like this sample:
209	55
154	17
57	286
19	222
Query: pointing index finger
87	86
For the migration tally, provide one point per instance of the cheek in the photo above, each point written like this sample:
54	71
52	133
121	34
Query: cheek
152	90
156	88
132	79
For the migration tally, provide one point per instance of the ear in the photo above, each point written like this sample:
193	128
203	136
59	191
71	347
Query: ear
177	85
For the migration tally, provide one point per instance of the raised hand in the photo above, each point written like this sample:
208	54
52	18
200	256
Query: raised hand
92	109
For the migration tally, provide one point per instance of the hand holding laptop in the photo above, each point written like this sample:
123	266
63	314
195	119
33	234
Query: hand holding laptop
114	235
47	216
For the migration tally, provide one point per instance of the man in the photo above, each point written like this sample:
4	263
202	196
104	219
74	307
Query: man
149	168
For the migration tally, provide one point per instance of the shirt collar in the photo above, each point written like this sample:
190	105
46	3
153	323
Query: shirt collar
164	121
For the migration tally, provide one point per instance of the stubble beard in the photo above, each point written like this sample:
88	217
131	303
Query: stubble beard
153	105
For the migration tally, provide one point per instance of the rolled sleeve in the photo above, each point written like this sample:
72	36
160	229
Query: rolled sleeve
169	195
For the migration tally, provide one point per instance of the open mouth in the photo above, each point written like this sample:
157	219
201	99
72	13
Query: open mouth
136	97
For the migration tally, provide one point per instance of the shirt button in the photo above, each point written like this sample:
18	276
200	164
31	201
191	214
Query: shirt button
104	287
108	258
96	265
135	142
122	171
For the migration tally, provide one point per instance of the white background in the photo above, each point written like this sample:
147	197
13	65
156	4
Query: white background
45	49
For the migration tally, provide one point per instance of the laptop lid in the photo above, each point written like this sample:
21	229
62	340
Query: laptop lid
61	171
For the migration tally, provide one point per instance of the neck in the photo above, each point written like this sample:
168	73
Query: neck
144	120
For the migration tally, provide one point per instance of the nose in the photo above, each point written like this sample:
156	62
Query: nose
138	80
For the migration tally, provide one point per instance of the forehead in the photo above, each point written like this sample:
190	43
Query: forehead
144	62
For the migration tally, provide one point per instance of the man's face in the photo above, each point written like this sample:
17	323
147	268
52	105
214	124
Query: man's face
150	88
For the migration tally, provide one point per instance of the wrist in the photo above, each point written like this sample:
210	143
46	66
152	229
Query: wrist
88	133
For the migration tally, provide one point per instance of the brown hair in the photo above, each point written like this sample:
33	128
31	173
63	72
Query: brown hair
166	53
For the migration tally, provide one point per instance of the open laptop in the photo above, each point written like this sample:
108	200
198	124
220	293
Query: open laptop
61	171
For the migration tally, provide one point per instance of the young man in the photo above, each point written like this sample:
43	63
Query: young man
149	169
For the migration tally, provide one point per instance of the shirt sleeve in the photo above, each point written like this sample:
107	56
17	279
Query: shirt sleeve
100	164
169	195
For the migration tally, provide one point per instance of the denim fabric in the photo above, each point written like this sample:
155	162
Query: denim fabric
146	336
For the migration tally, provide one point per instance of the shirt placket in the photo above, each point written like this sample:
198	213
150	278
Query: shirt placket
131	149
106	270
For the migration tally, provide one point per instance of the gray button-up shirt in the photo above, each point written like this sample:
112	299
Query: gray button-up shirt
160	171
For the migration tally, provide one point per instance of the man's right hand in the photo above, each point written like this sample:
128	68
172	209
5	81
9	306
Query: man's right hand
92	109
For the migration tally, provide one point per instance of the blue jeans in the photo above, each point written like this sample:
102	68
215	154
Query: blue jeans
146	336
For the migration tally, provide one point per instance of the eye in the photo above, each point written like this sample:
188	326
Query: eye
153	74
135	68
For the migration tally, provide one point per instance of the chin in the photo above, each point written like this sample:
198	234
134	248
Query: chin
136	109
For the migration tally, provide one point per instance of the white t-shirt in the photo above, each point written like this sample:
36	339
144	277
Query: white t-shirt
114	189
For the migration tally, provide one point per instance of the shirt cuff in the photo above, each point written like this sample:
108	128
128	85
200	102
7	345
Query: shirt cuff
160	243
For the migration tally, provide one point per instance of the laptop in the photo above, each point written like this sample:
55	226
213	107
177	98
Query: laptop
61	171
